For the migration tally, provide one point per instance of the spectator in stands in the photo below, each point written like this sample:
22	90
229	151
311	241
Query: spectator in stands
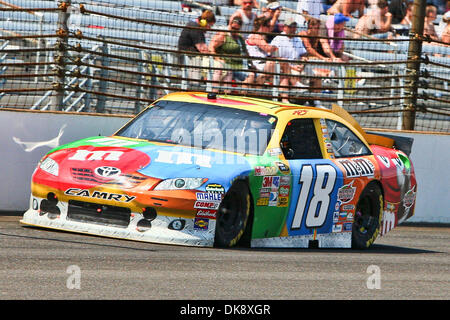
306	9
375	21
290	47
439	4
193	39
312	43
230	43
428	28
347	7
446	32
258	47
335	29
247	15
315	47
398	8
239	3
272	11
407	19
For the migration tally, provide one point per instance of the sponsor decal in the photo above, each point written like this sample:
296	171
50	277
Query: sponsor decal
337	228
283	201
347	227
264	193
284	191
282	167
346	193
205	213
99	195
265	171
358	167
272	182
262	202
209	196
107	172
173	157
273	199
96	155
275	151
409	198
285	181
336	216
348	207
343	215
215	187
201	223
199	204
299	112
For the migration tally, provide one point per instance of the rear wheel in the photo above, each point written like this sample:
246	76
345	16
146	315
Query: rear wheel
233	215
368	214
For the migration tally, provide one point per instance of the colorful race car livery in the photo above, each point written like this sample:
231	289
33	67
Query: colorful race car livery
204	170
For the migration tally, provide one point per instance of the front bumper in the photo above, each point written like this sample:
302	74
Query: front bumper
135	226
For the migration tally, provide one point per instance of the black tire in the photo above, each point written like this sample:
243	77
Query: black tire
233	215
368	215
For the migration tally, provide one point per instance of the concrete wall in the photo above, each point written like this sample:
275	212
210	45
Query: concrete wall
26	136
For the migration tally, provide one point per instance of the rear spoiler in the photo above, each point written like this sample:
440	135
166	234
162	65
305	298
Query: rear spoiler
399	142
381	139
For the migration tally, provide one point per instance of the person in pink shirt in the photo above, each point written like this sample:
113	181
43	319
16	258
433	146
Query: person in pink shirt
335	30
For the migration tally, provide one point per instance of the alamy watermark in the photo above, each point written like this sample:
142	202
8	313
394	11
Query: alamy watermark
74	279
374	280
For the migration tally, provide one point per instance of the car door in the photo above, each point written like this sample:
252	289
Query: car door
357	164
315	179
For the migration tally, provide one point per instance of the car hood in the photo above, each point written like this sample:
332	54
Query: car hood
106	157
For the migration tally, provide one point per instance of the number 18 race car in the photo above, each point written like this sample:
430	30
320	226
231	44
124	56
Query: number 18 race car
204	170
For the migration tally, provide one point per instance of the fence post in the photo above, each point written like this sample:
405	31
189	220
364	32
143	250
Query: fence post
413	67
102	85
60	56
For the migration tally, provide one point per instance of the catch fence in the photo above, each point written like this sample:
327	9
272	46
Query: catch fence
112	56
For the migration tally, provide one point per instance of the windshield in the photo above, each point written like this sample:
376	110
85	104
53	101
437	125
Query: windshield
203	126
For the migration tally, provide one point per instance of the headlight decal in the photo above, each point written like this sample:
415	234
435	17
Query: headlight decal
50	166
180	184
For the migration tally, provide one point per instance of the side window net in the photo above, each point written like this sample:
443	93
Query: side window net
299	140
344	142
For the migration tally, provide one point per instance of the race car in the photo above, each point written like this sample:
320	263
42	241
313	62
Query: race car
203	169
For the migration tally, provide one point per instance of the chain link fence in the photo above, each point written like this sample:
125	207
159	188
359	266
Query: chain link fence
113	56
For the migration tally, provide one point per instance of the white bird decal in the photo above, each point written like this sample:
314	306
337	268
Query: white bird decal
30	146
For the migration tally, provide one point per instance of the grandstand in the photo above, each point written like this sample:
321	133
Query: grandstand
120	55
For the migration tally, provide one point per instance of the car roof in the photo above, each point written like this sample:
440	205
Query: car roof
245	103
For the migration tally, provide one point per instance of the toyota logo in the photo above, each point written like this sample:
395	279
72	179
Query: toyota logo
107	172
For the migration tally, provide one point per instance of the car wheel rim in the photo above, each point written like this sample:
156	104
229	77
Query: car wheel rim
230	212
364	218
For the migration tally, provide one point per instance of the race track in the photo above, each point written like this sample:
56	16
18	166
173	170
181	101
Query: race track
410	262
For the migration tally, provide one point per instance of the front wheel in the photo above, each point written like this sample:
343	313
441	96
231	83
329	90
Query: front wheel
233	215
369	212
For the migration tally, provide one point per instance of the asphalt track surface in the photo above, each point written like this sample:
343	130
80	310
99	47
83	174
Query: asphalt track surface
411	262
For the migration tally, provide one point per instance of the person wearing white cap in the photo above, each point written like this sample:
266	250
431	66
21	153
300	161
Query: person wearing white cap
309	8
272	11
